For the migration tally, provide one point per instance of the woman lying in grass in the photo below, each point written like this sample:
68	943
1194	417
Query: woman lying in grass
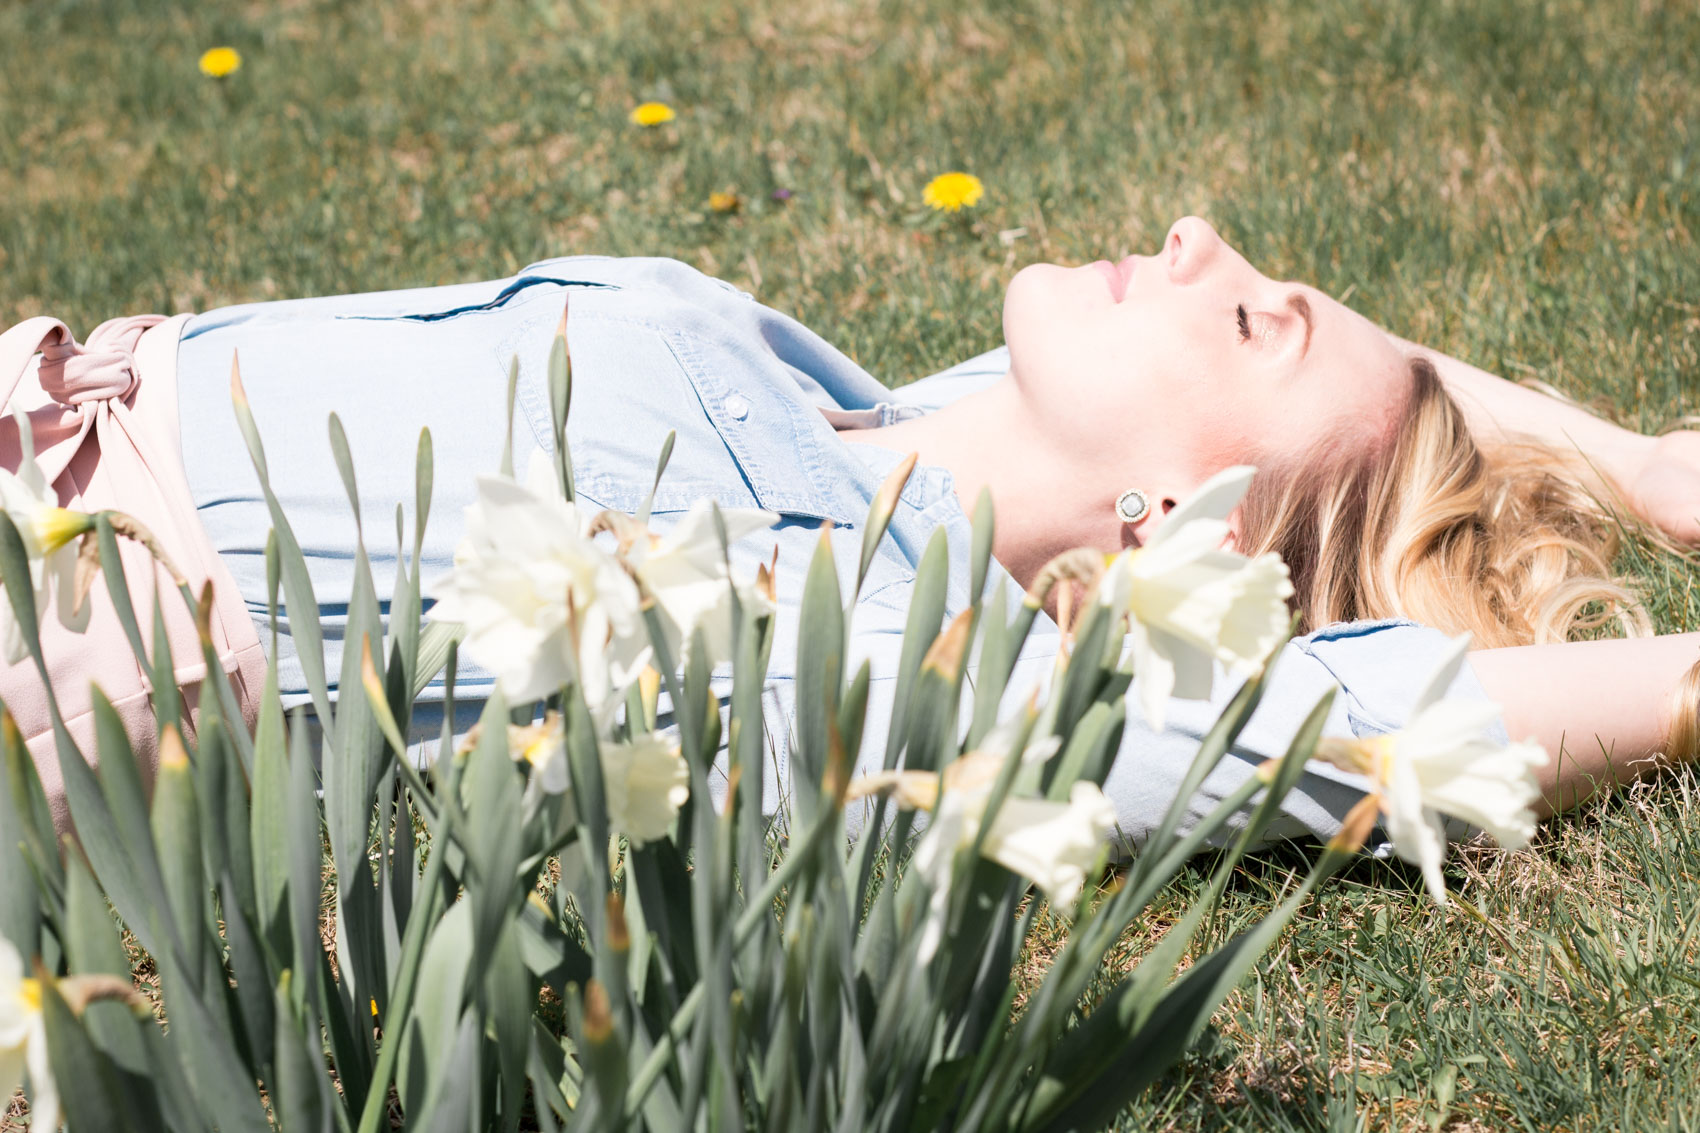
1389	483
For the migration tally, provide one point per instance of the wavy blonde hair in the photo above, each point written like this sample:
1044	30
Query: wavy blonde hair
1503	543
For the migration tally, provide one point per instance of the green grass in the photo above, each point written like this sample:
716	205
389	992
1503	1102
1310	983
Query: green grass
1515	183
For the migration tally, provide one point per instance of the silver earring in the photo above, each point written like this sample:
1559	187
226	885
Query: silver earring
1132	506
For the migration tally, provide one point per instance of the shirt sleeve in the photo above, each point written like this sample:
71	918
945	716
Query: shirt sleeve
1382	665
1378	669
1374	669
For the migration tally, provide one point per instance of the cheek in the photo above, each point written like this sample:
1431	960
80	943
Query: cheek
1218	437
1301	435
1229	418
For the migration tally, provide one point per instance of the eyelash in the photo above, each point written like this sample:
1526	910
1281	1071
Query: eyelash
1245	323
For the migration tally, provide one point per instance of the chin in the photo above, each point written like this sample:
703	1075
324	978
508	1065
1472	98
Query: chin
1040	305
1029	288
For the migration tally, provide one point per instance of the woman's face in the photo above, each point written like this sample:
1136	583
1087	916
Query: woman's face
1199	359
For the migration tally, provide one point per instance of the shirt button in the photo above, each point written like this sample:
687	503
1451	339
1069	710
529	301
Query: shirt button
737	407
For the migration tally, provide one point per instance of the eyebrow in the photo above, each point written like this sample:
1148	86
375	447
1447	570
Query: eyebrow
1300	307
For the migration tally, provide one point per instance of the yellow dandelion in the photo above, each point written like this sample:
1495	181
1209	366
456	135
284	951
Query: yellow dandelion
724	202
219	62
652	113
949	192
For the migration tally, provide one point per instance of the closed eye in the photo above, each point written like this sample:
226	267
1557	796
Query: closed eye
1245	323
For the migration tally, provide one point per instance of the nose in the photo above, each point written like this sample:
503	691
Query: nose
1190	248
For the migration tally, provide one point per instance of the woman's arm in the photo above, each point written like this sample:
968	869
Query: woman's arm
1657	477
1607	711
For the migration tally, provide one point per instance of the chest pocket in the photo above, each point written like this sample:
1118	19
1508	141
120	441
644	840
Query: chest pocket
635	379
628	392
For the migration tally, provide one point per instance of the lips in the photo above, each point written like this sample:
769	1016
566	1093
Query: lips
1115	276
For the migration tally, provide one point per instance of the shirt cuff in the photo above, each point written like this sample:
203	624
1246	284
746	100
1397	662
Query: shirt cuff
1382	665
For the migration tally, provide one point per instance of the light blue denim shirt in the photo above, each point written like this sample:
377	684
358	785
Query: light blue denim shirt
757	401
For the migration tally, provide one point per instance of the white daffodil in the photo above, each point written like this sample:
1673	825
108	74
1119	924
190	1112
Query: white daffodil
48	532
1443	763
1189	603
23	1041
685	569
1054	844
645	781
541	602
953	824
1051	843
973	771
543	746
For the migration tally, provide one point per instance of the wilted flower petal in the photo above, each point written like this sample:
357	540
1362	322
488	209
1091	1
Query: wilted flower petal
912	790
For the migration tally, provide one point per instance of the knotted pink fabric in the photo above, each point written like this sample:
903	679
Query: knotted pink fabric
103	415
103	369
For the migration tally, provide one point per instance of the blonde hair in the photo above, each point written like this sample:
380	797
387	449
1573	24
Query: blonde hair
1502	543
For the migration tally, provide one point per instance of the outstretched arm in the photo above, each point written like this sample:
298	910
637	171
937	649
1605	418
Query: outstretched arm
1607	711
1657	477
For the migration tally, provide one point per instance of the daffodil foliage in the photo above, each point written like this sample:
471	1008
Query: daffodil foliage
581	914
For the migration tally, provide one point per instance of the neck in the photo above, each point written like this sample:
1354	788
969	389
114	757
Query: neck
1047	499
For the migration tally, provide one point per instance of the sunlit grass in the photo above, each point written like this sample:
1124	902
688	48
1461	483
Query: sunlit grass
1515	183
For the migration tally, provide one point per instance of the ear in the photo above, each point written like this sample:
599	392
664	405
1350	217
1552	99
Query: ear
1141	533
1232	542
1162	503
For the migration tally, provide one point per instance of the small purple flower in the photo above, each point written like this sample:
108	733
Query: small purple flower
781	194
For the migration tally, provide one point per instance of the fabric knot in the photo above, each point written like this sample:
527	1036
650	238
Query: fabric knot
102	369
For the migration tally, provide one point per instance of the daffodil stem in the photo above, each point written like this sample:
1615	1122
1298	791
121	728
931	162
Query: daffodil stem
401	1002
1183	848
422	794
759	908
1113	918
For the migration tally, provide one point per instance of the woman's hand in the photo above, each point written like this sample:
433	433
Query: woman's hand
1666	491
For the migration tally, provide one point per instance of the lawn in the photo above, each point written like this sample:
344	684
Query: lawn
1517	184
